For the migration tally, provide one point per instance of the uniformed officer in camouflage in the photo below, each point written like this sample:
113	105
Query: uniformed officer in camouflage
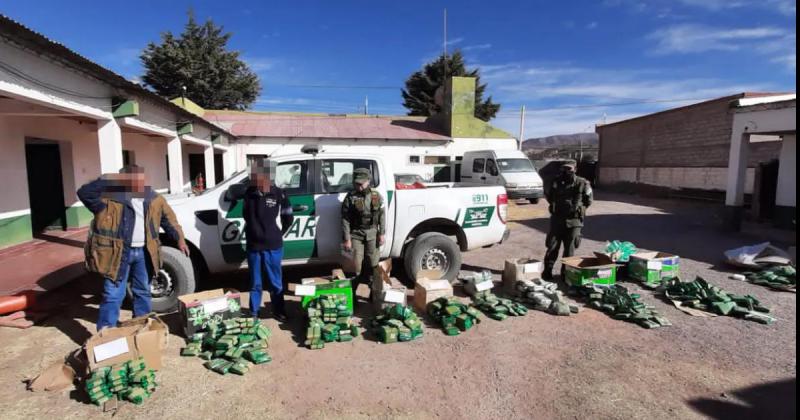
568	198
363	225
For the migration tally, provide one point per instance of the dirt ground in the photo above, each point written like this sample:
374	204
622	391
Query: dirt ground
537	366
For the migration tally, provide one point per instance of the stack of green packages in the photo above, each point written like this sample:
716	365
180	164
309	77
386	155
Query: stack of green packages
782	277
131	381
397	323
497	308
617	302
453	315
230	345
200	319
620	251
701	295
329	320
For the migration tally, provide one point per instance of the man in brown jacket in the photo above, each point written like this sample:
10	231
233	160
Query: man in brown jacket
123	238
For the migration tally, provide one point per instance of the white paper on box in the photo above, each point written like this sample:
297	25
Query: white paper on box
604	274
532	268
111	349
654	265
437	284
215	305
305	290
309	280
484	285
394	296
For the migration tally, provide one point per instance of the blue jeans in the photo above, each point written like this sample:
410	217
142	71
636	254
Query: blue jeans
114	292
269	263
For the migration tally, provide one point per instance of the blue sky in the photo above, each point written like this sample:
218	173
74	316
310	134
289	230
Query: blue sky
571	63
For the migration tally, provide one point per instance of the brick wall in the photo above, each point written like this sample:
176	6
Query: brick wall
697	136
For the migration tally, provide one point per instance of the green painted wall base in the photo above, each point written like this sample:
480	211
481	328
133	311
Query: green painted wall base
15	230
78	217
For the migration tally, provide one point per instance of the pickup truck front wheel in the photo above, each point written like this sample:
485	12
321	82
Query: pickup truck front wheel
433	251
175	278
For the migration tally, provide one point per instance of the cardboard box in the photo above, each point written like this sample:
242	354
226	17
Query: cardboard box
598	270
197	308
651	267
518	269
426	291
145	336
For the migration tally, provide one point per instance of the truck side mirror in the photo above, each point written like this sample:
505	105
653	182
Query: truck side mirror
235	192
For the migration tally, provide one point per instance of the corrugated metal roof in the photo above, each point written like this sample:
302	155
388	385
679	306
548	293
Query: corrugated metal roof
35	41
260	124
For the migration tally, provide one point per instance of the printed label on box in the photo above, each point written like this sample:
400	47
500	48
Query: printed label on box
215	305
111	349
484	285
604	274
532	268
438	284
305	290
654	265
394	296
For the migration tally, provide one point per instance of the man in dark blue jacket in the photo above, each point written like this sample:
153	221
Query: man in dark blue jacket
264	203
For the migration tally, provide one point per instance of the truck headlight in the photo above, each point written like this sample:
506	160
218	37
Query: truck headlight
511	185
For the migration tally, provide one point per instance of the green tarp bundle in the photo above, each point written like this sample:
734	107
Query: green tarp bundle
329	320
131	381
781	277
230	345
703	296
619	304
397	323
453	315
620	251
497	308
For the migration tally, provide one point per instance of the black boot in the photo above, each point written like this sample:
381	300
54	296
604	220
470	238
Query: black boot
547	274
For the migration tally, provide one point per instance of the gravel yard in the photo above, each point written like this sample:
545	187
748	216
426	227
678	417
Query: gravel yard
538	366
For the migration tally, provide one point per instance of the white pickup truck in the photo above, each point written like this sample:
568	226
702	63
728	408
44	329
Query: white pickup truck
428	228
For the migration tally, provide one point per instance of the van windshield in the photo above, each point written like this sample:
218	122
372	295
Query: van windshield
515	165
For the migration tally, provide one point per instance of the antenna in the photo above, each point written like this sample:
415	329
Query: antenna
366	105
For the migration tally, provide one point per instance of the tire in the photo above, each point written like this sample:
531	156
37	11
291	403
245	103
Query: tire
533	200
175	278
429	249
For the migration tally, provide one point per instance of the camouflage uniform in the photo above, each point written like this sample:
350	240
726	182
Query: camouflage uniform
568	198
363	221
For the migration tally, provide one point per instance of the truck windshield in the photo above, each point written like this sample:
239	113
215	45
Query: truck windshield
515	165
224	182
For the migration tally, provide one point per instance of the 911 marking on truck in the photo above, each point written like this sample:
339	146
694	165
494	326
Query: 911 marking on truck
480	199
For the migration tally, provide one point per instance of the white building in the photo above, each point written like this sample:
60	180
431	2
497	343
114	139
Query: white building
65	120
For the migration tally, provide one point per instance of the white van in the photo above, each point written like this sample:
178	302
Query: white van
509	168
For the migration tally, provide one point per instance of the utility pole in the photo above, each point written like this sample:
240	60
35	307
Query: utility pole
521	127
444	45
366	105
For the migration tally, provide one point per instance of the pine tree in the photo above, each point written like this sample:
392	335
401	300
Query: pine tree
419	94
198	59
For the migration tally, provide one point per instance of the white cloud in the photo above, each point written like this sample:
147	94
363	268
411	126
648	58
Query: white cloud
695	38
665	9
455	41
562	98
260	64
476	47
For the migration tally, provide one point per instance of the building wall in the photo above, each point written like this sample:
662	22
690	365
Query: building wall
151	154
787	173
683	148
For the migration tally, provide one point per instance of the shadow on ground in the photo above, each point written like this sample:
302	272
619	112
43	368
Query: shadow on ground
774	400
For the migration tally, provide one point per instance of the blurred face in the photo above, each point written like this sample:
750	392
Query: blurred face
261	181
128	182
361	186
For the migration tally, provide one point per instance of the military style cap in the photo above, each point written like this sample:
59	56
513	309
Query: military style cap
570	165
361	175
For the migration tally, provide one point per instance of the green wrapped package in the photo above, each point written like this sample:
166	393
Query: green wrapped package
453	315
497	308
239	367
624	306
394	324
701	295
329	320
131	381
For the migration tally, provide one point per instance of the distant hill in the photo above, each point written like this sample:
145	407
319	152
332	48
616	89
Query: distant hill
562	141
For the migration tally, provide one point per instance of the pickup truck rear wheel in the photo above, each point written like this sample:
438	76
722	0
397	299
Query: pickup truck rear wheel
175	278
433	251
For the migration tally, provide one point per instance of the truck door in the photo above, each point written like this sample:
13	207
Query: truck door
294	178
492	175
335	181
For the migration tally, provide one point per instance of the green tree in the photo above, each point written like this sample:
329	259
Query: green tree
420	91
198	59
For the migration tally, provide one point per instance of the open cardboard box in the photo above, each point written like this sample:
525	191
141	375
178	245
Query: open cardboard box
146	336
517	269
651	267
214	302
598	270
427	289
